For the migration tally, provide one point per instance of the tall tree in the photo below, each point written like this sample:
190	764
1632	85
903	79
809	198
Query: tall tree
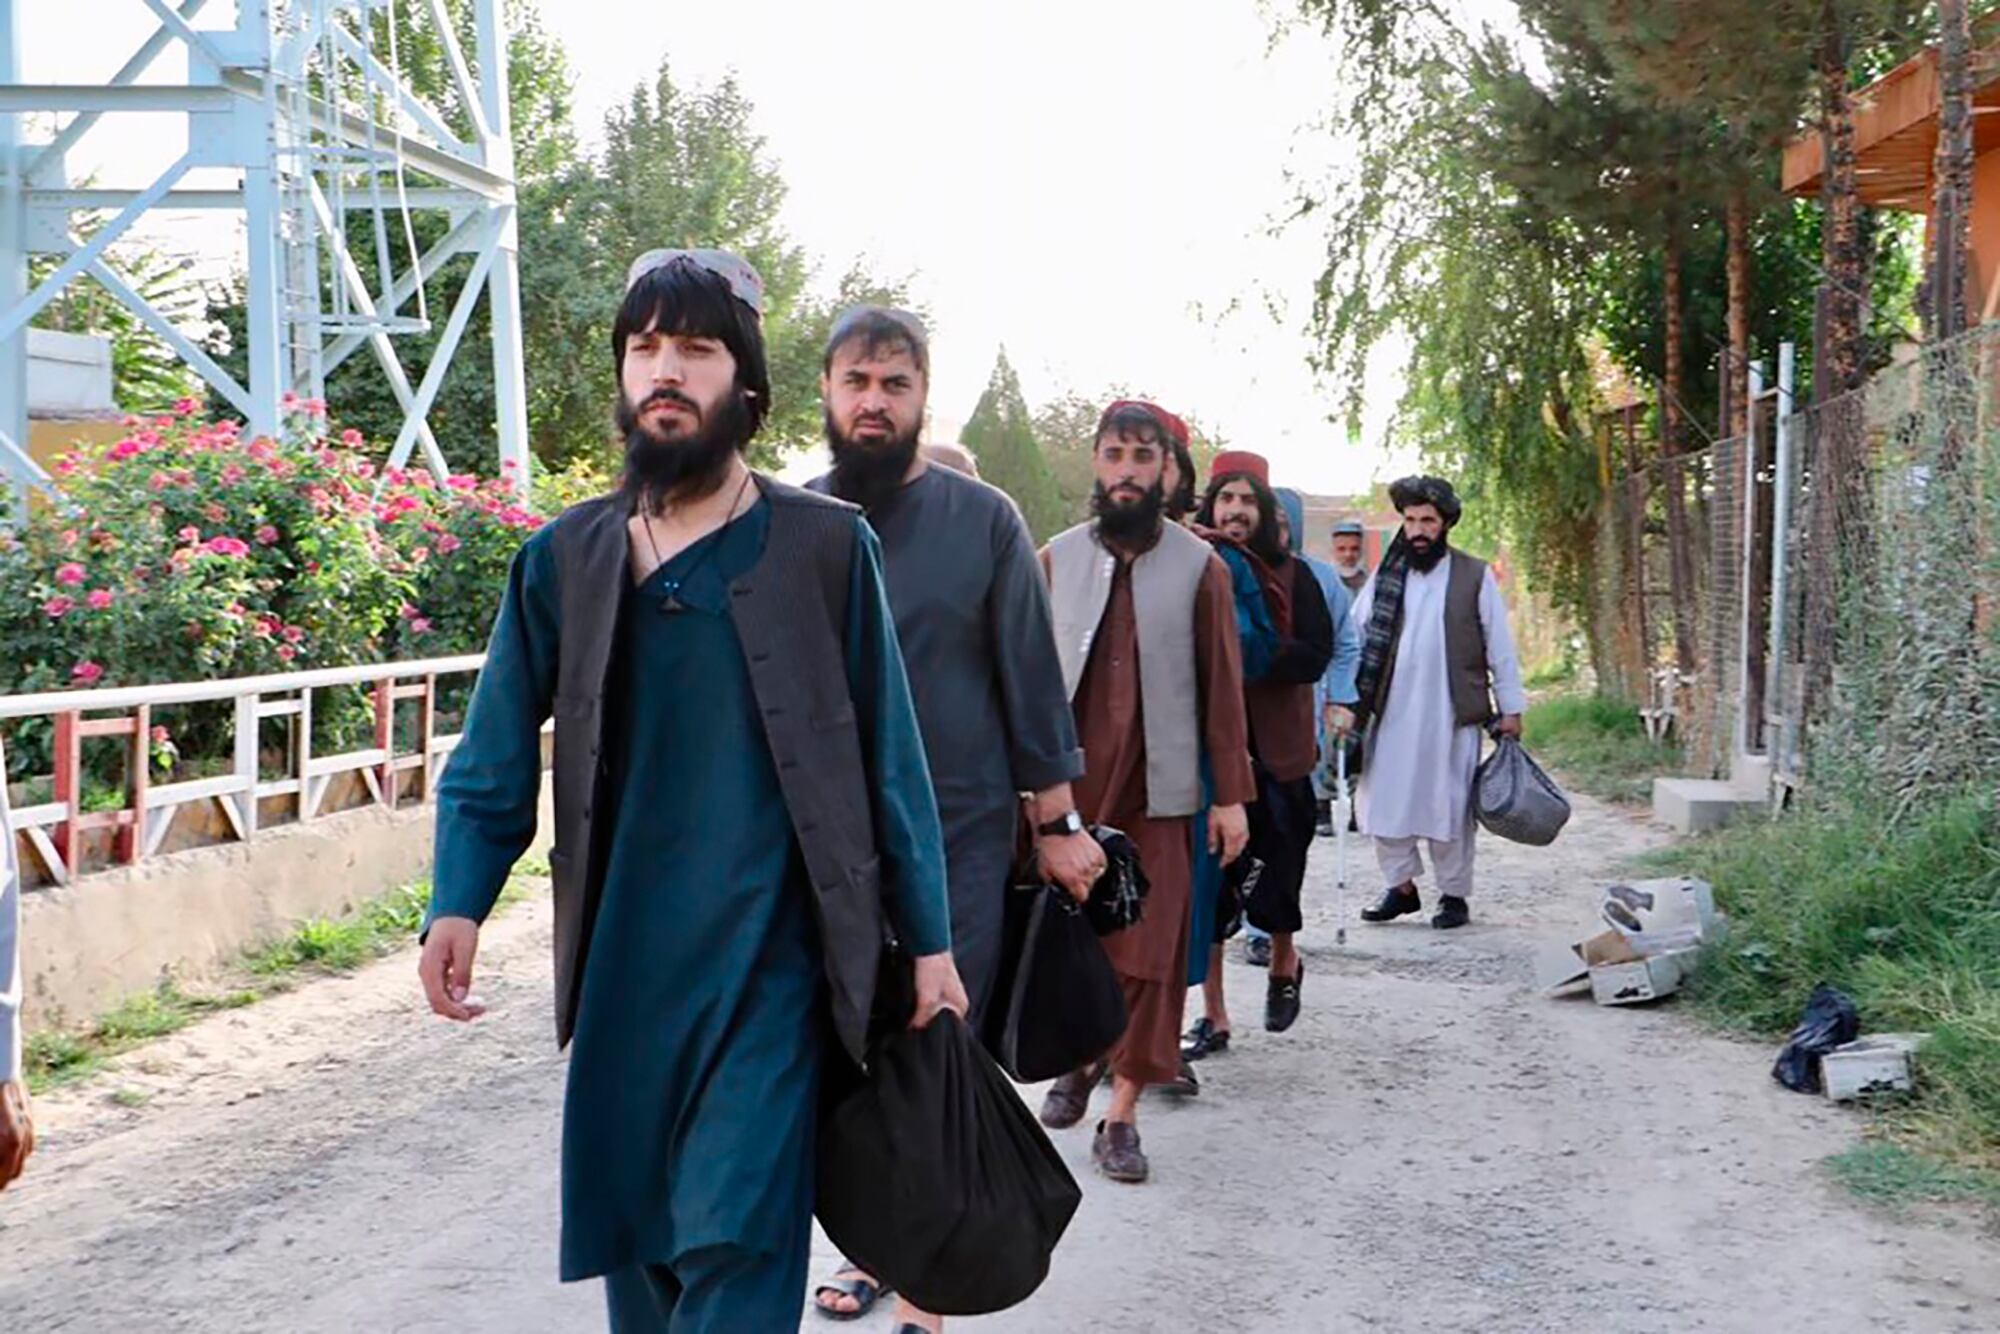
1001	435
1951	208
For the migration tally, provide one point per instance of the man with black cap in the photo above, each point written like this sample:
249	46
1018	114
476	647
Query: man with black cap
742	814
1436	655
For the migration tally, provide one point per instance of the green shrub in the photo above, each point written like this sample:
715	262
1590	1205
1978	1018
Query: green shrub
1598	744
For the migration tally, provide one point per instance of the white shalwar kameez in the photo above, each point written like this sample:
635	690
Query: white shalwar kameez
1417	780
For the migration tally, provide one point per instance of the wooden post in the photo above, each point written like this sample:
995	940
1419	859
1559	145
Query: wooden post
427	734
247	730
69	787
302	734
385	737
132	836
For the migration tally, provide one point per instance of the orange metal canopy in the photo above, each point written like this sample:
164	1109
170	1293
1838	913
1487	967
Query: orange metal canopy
1895	134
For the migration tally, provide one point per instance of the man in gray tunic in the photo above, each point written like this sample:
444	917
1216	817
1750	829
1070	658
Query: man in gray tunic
972	615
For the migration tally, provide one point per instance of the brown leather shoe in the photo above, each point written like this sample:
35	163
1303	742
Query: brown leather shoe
1069	1098
1117	1154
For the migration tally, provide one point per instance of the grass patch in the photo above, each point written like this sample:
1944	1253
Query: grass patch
1599	745
1894	1177
320	946
1904	918
130	1097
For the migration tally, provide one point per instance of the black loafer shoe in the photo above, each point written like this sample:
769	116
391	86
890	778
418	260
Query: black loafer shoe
1398	902
1281	1001
1451	912
1204	1039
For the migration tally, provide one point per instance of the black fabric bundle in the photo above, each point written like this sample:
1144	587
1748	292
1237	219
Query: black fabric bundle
1118	899
1057	1005
934	1176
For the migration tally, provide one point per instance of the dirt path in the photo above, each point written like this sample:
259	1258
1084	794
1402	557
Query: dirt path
1434	1147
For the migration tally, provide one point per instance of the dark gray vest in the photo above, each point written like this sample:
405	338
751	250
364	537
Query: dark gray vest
1464	646
790	613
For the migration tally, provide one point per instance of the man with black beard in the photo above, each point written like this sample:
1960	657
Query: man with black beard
1146	632
1436	654
972	615
741	810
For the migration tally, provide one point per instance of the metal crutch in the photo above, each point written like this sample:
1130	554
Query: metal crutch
1340	818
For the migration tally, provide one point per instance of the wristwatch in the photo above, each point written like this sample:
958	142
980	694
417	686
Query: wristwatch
1069	822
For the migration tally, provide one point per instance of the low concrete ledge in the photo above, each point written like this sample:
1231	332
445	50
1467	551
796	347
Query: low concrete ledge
1696	805
87	946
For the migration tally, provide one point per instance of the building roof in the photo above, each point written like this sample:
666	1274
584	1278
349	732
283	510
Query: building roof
1895	133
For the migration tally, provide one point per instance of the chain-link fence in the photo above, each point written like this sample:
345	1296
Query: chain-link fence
1671	597
1890	669
1825	590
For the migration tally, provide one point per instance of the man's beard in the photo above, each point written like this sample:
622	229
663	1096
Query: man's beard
686	467
1426	558
867	475
1347	569
1128	524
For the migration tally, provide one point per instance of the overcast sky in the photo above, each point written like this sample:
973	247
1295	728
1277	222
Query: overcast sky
1089	183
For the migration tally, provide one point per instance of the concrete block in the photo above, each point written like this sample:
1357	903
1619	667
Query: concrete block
1879	1063
1696	805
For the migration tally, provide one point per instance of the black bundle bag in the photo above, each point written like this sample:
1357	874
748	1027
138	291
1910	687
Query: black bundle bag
1118	899
1057	1005
934	1176
1830	1019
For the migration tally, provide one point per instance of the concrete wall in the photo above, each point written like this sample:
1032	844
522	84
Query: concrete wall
109	935
68	373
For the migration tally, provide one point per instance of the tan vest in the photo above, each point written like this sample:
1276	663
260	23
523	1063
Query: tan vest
1164	582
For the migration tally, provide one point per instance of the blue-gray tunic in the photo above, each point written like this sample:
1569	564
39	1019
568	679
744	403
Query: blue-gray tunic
688	1121
972	616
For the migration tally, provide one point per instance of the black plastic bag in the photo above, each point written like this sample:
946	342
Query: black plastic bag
1058	1005
934	1176
1830	1019
1514	799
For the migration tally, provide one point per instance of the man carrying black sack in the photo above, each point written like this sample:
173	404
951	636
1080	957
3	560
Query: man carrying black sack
742	814
972	616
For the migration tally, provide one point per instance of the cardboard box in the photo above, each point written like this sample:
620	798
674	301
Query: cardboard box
1641	979
1868	1066
1564	970
1660	916
1560	970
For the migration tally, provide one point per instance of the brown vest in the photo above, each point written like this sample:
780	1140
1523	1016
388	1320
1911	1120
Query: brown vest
790	612
1464	646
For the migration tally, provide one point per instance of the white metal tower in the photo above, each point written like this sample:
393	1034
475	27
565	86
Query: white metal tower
307	101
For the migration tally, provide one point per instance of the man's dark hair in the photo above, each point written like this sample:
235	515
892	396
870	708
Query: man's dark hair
879	330
681	297
1130	422
1265	543
1182	502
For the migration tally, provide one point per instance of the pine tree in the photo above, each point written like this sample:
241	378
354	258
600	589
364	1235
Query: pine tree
1001	435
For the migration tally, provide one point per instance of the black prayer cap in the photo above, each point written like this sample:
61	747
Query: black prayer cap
1433	491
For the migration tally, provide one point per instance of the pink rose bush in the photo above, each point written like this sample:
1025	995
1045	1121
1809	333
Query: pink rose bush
188	551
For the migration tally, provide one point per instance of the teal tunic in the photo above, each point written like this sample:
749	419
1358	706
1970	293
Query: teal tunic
688	1120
